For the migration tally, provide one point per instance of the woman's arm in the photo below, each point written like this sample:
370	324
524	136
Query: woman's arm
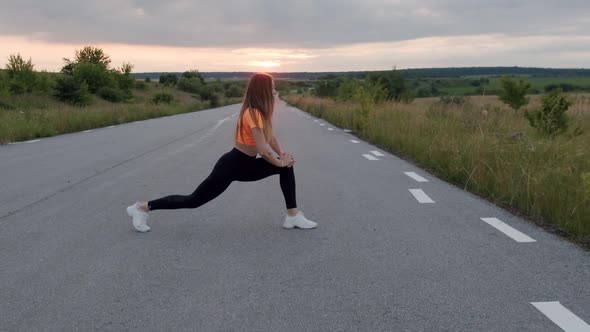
265	152
275	145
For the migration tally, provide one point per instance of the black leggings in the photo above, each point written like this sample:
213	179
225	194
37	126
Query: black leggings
232	166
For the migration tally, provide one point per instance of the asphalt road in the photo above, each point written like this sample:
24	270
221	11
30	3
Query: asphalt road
380	260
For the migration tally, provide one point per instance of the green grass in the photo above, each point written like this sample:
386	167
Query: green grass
462	86
493	153
36	115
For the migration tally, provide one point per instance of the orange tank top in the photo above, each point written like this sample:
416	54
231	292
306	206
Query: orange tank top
245	127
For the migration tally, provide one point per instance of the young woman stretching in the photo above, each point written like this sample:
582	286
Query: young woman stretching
253	131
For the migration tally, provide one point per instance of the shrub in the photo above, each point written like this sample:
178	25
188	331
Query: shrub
162	98
20	74
551	119
190	85
148	79
44	82
233	91
94	75
206	92
111	94
93	55
72	90
193	74
452	100
168	79
214	100
514	93
139	85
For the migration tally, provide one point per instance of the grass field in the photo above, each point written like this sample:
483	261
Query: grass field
37	115
462	86
484	147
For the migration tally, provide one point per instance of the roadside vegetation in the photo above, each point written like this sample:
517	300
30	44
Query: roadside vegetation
528	153
89	92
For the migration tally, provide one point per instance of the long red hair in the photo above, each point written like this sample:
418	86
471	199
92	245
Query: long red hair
259	96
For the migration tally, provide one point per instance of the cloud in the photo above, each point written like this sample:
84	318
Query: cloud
284	24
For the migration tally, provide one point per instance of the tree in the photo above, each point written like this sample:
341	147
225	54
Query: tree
91	54
193	74
551	119
392	81
168	79
514	93
21	74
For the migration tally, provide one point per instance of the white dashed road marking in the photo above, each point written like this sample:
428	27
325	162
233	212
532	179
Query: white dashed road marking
316	120
421	196
330	128
368	156
415	176
562	317
322	124
377	153
511	232
354	141
347	130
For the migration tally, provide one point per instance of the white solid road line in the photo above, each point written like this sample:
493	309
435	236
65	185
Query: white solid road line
504	228
32	141
354	141
111	126
562	317
377	153
368	156
87	131
347	130
421	196
415	176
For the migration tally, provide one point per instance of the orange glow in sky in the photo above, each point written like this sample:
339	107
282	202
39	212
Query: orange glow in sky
266	63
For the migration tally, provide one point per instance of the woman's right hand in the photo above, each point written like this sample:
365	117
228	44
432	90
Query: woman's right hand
286	159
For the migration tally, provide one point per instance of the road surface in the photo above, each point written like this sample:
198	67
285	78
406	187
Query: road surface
396	249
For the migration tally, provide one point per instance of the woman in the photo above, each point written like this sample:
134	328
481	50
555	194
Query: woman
253	131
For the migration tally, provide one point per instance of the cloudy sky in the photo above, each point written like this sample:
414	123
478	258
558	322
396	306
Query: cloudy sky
302	35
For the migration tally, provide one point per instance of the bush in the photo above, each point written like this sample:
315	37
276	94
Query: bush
44	82
139	85
551	120
20	74
94	75
214	100
392	82
234	91
193	74
514	93
148	79
162	98
190	85
72	90
111	94
168	79
452	100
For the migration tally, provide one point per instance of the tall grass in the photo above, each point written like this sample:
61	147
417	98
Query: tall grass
484	148
35	115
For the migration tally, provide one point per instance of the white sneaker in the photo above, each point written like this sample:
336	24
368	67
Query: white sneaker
139	218
298	221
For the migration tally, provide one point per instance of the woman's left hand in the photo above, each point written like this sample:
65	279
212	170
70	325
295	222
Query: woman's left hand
292	158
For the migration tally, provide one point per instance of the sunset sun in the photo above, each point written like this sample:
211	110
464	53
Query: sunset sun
266	63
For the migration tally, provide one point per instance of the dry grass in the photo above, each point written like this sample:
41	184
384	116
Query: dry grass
33	116
483	147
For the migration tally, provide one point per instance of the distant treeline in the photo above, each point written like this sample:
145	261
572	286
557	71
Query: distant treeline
451	72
